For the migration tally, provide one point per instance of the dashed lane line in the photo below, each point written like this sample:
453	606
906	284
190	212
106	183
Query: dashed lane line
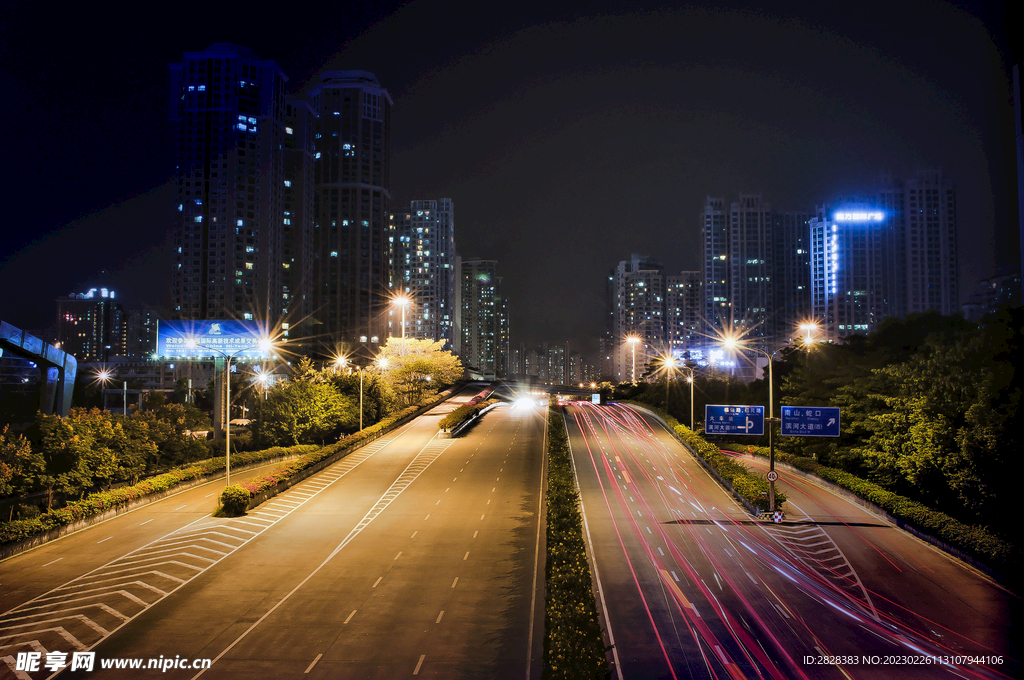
86	610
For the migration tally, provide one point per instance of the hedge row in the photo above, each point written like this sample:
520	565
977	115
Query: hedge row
230	497
972	540
749	486
573	647
462	414
102	501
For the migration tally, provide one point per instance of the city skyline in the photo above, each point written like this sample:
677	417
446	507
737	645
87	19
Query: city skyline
508	215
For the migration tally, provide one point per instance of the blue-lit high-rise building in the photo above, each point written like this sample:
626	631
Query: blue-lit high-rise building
891	253
228	106
424	268
849	287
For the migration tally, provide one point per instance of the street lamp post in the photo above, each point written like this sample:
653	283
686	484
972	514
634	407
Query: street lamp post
731	343
264	345
669	364
632	343
403	302
689	379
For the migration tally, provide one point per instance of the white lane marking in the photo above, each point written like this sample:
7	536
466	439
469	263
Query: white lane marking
414	534
455	581
180	507
416	671
349	617
439	617
310	667
147	522
466	556
104	540
427	455
398	555
475	533
55	561
377	582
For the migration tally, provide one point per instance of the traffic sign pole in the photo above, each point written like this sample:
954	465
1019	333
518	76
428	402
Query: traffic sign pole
772	475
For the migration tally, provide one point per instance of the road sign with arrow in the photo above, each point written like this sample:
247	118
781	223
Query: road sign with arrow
734	420
810	421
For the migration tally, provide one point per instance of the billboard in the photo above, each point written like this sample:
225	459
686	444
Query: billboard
210	339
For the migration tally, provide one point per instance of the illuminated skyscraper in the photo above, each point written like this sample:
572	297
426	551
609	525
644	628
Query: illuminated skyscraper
636	293
738	268
297	221
715	265
92	326
684	302
351	201
483	319
229	107
423	267
849	285
929	235
750	269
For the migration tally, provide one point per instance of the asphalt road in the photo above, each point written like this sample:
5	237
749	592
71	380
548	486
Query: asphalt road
691	586
416	555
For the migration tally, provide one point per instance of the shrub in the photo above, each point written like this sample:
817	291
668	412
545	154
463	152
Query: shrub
462	414
235	500
573	647
99	502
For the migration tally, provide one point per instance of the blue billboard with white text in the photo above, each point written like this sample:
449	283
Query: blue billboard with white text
211	339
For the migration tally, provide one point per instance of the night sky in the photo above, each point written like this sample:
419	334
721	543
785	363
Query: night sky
569	135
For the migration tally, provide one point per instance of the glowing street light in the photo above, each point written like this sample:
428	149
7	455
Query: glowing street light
106	376
808	328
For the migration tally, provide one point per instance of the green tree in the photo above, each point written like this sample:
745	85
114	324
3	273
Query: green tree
170	427
15	462
307	412
416	368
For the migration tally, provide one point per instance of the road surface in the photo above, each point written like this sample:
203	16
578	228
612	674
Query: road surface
692	586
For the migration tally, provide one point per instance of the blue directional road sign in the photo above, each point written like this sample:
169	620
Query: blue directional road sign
810	421
734	420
